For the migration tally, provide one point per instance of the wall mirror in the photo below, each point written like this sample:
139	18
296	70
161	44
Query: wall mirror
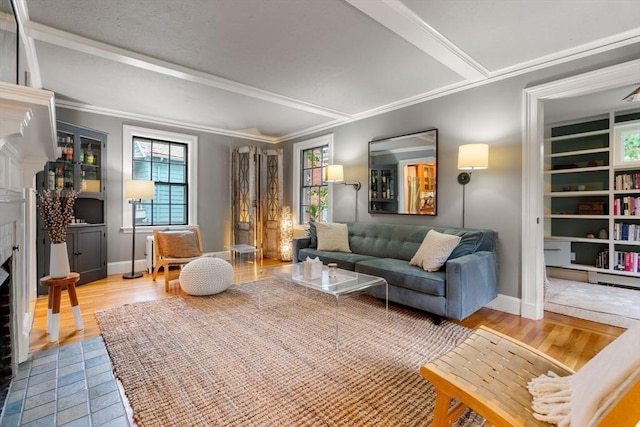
403	174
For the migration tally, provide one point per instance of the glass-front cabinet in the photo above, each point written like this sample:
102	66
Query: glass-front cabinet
79	161
79	165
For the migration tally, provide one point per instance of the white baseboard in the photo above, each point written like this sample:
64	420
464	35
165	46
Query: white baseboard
505	303
121	267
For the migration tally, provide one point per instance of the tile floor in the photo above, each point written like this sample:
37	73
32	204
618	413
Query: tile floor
72	385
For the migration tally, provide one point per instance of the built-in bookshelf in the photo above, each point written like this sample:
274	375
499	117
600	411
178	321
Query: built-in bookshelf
592	195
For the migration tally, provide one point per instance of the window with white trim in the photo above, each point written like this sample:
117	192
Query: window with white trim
168	159
311	193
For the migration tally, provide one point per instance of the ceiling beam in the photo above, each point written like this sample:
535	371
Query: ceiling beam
398	18
67	40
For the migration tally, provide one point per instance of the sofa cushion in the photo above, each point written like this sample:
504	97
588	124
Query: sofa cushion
332	237
400	273
345	260
435	250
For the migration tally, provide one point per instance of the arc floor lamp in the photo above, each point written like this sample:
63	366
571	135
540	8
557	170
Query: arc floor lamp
471	157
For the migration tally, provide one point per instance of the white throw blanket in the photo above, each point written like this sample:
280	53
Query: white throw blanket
580	399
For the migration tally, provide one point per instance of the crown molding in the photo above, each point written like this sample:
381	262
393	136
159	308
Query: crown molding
71	105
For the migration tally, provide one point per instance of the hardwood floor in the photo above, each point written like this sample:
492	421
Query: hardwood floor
572	341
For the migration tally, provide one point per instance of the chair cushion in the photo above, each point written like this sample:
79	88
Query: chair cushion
178	244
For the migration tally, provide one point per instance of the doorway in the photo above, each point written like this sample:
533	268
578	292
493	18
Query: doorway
532	242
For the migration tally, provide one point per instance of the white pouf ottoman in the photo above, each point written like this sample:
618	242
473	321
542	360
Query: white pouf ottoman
206	276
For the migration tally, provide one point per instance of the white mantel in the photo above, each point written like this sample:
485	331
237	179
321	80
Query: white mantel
27	142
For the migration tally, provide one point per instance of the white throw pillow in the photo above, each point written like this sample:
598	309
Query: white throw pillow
332	237
434	250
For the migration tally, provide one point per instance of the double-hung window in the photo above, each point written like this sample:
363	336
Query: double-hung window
312	194
167	159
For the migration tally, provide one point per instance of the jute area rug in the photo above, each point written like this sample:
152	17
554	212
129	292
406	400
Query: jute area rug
598	303
264	354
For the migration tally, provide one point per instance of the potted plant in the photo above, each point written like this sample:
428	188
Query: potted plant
56	211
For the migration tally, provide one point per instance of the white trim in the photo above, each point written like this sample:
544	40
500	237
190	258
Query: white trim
397	17
71	105
128	132
298	147
506	304
532	240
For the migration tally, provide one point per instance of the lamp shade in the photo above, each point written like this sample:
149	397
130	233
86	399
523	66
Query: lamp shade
334	173
633	96
473	156
138	189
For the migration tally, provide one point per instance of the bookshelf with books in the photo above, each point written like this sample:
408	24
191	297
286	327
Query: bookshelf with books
592	193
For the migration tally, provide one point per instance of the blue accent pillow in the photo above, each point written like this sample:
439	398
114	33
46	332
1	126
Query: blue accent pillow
468	244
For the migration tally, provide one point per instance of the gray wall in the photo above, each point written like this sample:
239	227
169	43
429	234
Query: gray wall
213	183
491	114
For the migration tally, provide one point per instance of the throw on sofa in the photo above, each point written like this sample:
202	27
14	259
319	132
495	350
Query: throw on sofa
465	283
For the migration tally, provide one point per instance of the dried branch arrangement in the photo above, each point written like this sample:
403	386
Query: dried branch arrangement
56	209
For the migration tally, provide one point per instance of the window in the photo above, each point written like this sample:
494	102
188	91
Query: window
627	144
168	159
164	163
312	195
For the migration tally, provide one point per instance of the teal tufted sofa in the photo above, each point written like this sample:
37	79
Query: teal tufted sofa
467	281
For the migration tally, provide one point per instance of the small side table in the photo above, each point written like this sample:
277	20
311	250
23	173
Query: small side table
53	307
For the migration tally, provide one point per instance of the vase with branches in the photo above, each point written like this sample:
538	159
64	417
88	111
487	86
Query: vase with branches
56	210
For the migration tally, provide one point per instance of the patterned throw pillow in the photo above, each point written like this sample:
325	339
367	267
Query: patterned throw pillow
178	244
332	237
434	250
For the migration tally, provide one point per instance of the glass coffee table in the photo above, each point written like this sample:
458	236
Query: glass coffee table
344	283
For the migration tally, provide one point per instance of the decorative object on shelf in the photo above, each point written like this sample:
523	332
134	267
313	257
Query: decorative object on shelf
590	236
286	234
591	208
335	173
603	234
471	157
56	210
136	190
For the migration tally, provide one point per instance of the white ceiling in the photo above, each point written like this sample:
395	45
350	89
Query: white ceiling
271	70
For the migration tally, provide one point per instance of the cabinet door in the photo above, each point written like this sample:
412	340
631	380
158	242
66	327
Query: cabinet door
89	253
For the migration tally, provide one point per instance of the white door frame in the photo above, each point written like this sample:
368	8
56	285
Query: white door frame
532	243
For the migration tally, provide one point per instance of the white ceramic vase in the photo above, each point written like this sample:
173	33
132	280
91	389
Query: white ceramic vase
59	261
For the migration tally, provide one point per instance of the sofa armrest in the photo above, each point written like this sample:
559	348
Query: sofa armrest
471	283
300	243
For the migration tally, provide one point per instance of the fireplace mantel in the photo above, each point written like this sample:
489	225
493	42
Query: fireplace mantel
27	131
27	142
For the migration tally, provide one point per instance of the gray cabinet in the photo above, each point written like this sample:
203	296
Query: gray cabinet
79	166
87	250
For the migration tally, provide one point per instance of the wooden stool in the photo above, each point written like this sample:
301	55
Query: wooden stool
53	308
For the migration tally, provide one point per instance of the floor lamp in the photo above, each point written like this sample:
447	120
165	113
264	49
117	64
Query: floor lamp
471	157
136	190
335	173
